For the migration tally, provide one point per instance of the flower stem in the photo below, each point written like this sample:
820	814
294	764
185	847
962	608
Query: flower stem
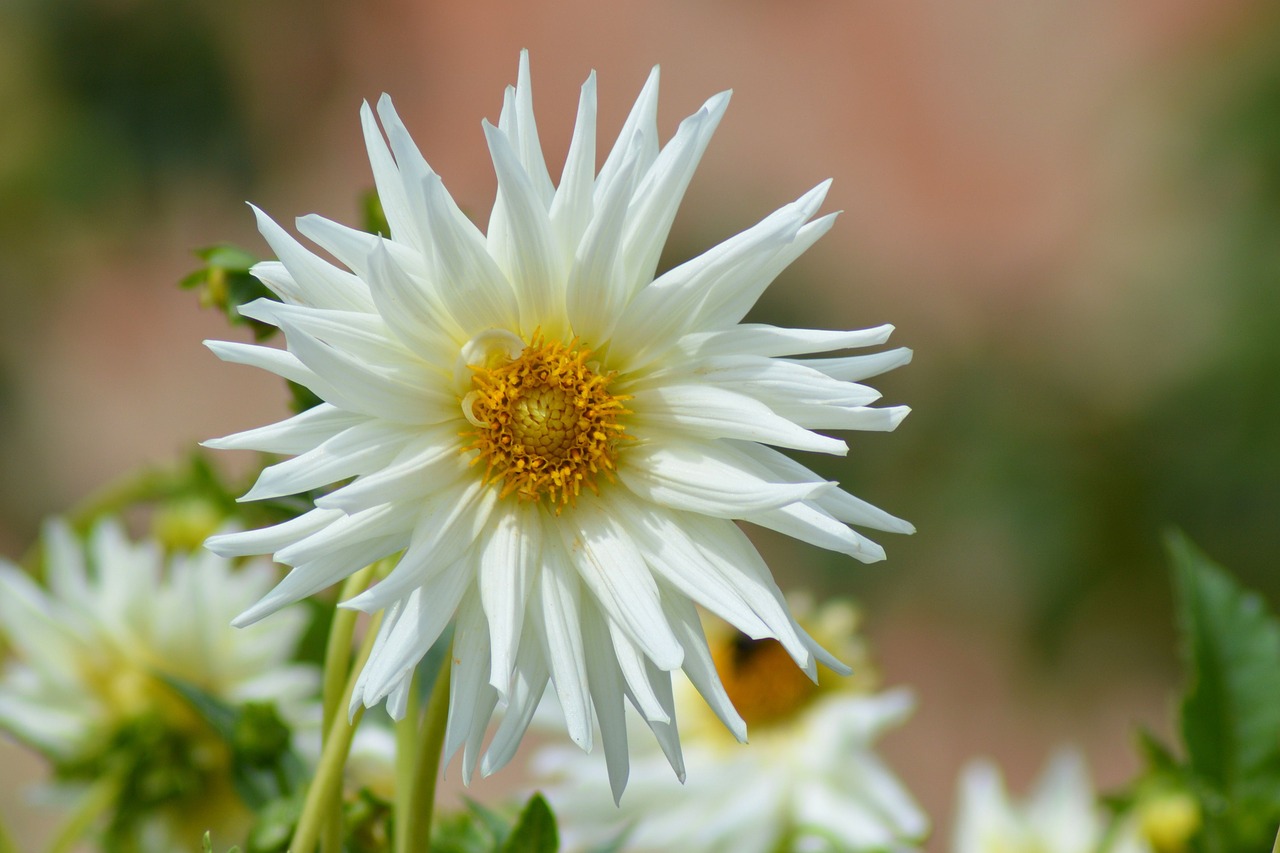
337	652
422	796
337	659
407	734
325	794
96	801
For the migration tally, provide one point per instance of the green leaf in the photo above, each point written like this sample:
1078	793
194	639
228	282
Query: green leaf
1230	714
535	831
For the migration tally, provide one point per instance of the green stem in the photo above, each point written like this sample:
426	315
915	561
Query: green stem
337	653
97	800
422	797
325	794
337	660
407	733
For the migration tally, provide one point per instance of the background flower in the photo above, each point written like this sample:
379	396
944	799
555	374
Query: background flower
97	658
809	779
1060	815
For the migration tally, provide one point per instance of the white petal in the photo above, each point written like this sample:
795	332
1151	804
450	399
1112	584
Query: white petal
310	577
412	309
424	463
427	612
639	687
815	526
669	552
294	435
706	411
605	680
855	368
638	138
471	699
659	193
375	523
405	395
837	502
705	477
267	540
509	560
699	666
559	595
595	294
360	449
280	362
759	339
526	692
610	565
478	294
391	188
726	547
319	283
449	523
683	298
571	209
531	260
526	137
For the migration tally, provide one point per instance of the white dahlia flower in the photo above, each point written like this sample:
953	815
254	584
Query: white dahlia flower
555	442
1060	815
809	781
96	655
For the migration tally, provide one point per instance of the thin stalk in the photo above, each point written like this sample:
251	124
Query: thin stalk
337	652
337	660
325	794
95	802
422	798
407	734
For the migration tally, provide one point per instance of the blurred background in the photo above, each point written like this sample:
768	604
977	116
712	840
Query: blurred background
1071	211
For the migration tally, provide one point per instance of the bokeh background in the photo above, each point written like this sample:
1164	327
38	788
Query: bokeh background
1070	210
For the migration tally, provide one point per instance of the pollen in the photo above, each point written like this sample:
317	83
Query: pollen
546	425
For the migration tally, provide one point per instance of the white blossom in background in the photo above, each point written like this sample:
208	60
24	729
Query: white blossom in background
1061	814
554	442
810	780
93	650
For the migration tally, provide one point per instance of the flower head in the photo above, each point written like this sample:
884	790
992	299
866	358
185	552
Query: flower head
555	442
810	779
1060	815
98	656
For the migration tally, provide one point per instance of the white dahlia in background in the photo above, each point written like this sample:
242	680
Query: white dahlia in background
89	686
1060	815
809	781
555	443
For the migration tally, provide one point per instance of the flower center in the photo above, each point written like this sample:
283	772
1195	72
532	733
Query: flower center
545	422
762	681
